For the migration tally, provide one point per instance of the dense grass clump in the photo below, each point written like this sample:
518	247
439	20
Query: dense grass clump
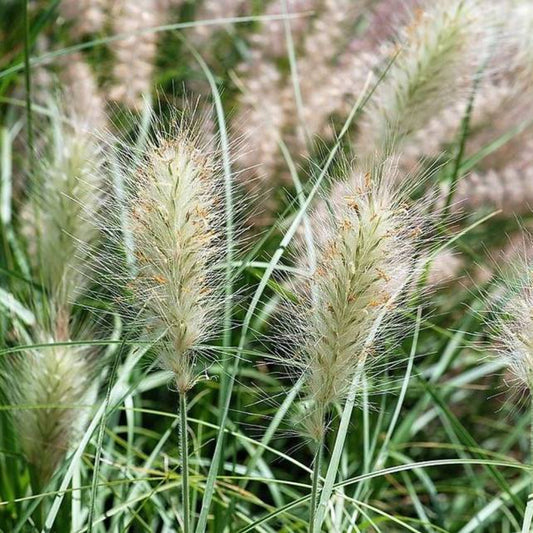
302	303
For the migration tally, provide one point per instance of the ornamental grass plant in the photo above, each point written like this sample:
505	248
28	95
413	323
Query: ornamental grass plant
266	266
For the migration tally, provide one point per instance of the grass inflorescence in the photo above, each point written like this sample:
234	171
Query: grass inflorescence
212	321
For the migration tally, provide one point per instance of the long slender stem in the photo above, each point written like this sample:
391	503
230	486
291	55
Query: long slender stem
317	467
531	439
184	452
333	466
528	516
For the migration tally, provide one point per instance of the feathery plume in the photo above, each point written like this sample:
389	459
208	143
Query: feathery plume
176	214
438	55
86	16
82	93
135	54
58	218
52	389
511	328
506	81
364	262
260	110
502	179
48	386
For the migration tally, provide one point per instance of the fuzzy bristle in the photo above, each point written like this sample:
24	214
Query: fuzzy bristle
364	261
47	385
437	59
58	218
176	213
51	391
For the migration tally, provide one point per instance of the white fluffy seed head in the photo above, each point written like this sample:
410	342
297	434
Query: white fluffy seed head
176	213
367	250
511	325
46	386
58	218
516	52
438	56
51	391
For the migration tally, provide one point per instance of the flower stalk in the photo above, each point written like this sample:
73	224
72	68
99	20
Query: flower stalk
317	466
176	217
366	240
184	453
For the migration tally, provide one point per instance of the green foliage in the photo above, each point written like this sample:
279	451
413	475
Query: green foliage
433	445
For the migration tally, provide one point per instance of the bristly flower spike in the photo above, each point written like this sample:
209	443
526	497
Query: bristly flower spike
438	55
369	252
365	263
52	385
176	215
